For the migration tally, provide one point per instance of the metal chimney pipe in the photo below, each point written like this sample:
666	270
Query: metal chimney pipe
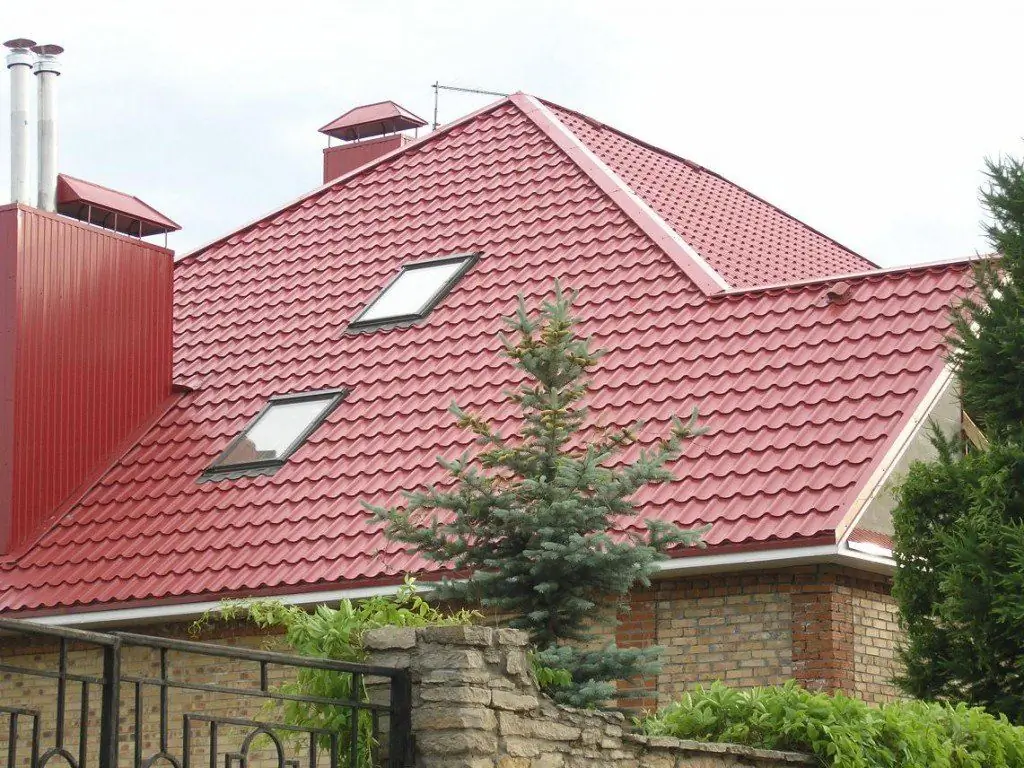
19	61
47	70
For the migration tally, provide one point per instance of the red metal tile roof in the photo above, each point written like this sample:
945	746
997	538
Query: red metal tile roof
747	240
802	395
75	196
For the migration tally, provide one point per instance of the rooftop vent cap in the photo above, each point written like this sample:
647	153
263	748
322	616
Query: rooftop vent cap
838	293
372	120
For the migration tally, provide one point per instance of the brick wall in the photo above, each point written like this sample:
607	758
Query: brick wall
828	627
875	637
825	626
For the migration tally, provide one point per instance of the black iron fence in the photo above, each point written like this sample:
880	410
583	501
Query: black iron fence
79	699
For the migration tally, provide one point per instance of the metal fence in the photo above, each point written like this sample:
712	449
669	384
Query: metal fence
91	700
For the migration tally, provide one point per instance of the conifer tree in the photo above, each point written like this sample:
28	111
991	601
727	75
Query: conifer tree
526	520
959	520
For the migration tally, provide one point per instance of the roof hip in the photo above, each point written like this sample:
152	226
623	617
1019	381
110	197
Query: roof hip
620	193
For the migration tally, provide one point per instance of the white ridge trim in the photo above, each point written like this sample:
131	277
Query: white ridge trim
626	191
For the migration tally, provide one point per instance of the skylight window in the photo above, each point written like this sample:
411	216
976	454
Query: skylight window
276	433
417	290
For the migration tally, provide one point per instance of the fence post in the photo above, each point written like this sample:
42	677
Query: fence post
400	751
110	708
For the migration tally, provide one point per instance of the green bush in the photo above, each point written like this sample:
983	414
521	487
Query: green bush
334	633
843	732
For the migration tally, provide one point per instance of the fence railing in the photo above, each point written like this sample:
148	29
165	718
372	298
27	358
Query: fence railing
180	704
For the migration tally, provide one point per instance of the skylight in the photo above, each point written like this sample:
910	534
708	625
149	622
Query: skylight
417	290
277	431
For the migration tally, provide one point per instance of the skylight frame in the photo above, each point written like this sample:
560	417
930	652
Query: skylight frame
467	259
218	471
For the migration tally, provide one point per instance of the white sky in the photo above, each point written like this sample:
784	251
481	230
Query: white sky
868	120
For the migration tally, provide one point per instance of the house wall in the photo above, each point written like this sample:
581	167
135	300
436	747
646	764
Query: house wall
946	416
828	627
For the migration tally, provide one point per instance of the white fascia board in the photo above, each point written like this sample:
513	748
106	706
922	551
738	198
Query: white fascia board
746	560
877	482
186	611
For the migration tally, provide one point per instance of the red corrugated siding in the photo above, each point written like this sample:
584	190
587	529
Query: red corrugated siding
92	359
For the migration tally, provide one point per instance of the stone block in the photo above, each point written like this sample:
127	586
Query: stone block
461	676
461	694
514	637
513	762
389	638
516	702
474	636
515	662
445	743
518	746
548	761
439	717
657	760
440	657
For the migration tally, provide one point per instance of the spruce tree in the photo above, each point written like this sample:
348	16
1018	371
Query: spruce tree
526	519
959	520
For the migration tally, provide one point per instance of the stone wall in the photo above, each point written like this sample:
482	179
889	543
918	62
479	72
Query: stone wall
475	705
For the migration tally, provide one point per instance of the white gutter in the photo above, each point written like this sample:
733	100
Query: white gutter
778	558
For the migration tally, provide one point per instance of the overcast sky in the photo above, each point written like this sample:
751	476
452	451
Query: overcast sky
868	120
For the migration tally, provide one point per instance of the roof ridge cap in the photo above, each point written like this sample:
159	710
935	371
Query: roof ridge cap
704	169
865	275
622	195
414	144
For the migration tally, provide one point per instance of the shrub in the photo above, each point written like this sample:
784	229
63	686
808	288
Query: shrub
334	633
843	732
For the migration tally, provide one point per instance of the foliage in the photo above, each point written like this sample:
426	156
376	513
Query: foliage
527	518
988	342
959	520
960	550
843	732
334	633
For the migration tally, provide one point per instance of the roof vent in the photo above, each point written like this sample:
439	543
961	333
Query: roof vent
371	131
837	293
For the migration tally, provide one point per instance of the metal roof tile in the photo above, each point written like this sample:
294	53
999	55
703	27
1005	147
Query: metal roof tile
799	397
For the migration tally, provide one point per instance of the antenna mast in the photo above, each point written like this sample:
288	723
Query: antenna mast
437	93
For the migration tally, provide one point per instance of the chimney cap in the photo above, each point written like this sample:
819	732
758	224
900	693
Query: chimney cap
372	120
48	49
108	208
20	42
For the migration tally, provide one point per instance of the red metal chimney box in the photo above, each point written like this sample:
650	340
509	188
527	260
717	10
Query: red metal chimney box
85	358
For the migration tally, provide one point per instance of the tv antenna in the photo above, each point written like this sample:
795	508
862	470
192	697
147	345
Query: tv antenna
437	93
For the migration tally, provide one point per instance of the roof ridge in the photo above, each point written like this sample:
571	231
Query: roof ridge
704	169
709	281
414	144
865	275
